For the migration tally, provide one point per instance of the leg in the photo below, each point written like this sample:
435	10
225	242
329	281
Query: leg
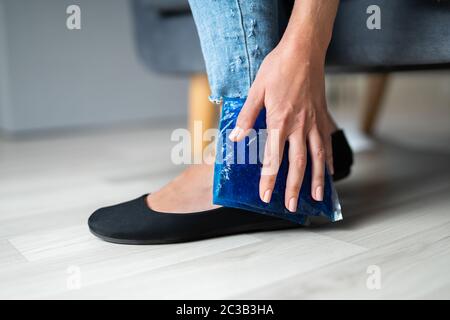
201	112
376	87
235	37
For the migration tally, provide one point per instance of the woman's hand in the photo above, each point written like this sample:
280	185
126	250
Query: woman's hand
291	85
292	89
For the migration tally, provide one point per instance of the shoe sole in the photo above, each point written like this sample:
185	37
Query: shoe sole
196	238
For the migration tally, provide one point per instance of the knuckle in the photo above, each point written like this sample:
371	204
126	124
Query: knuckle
271	162
320	153
318	178
243	121
252	100
288	110
293	189
275	134
277	121
301	120
298	160
311	114
267	180
284	112
253	91
274	122
244	124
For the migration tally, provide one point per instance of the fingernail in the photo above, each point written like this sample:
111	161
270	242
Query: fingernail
293	204
319	193
234	133
266	197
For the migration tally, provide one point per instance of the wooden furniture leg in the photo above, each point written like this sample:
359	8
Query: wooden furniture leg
376	89
203	114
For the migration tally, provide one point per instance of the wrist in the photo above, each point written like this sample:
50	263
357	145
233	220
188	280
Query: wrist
310	27
304	49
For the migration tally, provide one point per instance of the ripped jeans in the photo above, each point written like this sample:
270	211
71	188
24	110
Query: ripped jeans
235	36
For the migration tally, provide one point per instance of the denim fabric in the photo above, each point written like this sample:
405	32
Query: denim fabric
235	36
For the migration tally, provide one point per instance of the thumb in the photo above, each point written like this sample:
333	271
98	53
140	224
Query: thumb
248	114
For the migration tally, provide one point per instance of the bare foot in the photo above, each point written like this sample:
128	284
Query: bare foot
190	192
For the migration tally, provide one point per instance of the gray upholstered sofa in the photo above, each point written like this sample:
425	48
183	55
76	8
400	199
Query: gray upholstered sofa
414	34
166	36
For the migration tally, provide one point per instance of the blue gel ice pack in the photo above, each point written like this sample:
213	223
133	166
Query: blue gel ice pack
238	167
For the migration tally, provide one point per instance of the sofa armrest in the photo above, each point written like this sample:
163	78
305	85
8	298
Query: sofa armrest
166	5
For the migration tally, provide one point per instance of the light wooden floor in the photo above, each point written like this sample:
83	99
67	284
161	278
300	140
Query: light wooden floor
396	216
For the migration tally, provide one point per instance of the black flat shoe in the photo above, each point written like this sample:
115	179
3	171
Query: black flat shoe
342	155
133	222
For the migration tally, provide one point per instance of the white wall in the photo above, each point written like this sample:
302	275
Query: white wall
4	92
58	77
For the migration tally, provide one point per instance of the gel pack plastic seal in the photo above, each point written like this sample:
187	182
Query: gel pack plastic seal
238	167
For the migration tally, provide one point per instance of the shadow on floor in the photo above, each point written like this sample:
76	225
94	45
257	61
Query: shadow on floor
392	177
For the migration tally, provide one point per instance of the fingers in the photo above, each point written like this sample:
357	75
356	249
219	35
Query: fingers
329	155
248	114
317	151
297	165
273	154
